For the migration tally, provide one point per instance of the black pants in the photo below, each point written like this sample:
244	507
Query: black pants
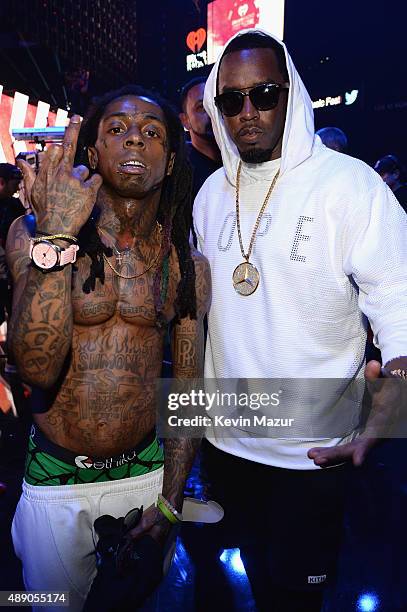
287	524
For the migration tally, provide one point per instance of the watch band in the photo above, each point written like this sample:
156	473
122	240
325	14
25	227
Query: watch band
68	255
64	256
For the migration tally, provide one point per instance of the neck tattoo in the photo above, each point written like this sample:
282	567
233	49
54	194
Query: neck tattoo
122	256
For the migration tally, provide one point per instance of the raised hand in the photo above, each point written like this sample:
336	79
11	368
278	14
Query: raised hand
27	183
61	196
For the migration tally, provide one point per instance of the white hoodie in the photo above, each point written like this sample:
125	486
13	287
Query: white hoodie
331	246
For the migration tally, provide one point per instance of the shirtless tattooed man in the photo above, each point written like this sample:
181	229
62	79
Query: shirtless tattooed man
88	335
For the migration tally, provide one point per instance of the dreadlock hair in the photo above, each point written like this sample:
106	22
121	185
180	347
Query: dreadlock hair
174	210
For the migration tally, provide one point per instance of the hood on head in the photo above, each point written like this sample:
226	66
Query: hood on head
298	135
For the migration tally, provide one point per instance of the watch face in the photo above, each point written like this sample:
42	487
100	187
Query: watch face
44	255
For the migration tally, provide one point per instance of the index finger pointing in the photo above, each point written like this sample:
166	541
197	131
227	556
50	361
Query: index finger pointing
70	141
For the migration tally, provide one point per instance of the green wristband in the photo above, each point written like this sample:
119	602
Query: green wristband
170	516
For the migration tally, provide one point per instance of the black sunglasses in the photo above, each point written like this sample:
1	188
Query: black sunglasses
263	97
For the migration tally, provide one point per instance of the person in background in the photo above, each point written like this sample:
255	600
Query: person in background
333	138
10	209
203	151
392	172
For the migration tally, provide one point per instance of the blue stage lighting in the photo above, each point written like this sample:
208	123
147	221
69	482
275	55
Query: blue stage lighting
368	602
231	558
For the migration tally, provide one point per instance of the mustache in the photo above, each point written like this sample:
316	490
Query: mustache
249	129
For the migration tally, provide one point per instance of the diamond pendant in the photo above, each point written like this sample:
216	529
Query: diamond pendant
245	278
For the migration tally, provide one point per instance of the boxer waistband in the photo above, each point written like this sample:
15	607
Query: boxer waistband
50	464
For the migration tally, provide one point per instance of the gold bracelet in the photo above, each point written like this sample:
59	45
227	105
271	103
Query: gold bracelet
66	237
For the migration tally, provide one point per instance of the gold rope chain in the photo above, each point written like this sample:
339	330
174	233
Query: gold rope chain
151	264
259	216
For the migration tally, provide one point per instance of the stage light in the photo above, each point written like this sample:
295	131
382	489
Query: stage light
231	558
181	561
368	602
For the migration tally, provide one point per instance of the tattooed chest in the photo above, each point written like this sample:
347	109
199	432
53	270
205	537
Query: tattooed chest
131	300
106	400
118	348
102	412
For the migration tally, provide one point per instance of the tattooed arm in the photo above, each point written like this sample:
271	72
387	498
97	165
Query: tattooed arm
40	330
41	323
188	358
187	355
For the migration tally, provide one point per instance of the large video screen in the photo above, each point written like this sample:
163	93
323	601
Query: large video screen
227	17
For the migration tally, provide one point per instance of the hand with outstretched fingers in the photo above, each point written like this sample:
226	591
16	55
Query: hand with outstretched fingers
61	195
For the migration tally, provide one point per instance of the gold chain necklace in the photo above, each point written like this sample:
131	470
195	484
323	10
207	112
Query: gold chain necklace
246	277
120	255
132	276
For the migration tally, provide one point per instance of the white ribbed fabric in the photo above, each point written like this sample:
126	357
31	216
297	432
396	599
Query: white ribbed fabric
331	246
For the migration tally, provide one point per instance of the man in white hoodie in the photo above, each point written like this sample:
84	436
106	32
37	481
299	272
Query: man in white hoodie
294	234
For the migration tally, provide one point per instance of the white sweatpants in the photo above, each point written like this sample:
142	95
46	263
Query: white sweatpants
53	531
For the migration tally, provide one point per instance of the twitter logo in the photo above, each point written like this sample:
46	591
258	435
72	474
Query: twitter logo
350	98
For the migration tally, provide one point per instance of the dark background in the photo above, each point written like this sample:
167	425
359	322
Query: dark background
44	42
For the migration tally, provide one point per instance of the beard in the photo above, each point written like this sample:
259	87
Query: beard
207	135
256	156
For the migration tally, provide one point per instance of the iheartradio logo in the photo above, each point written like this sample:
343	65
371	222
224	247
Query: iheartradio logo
242	10
195	40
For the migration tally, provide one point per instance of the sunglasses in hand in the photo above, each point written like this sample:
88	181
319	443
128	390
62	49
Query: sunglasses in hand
263	97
